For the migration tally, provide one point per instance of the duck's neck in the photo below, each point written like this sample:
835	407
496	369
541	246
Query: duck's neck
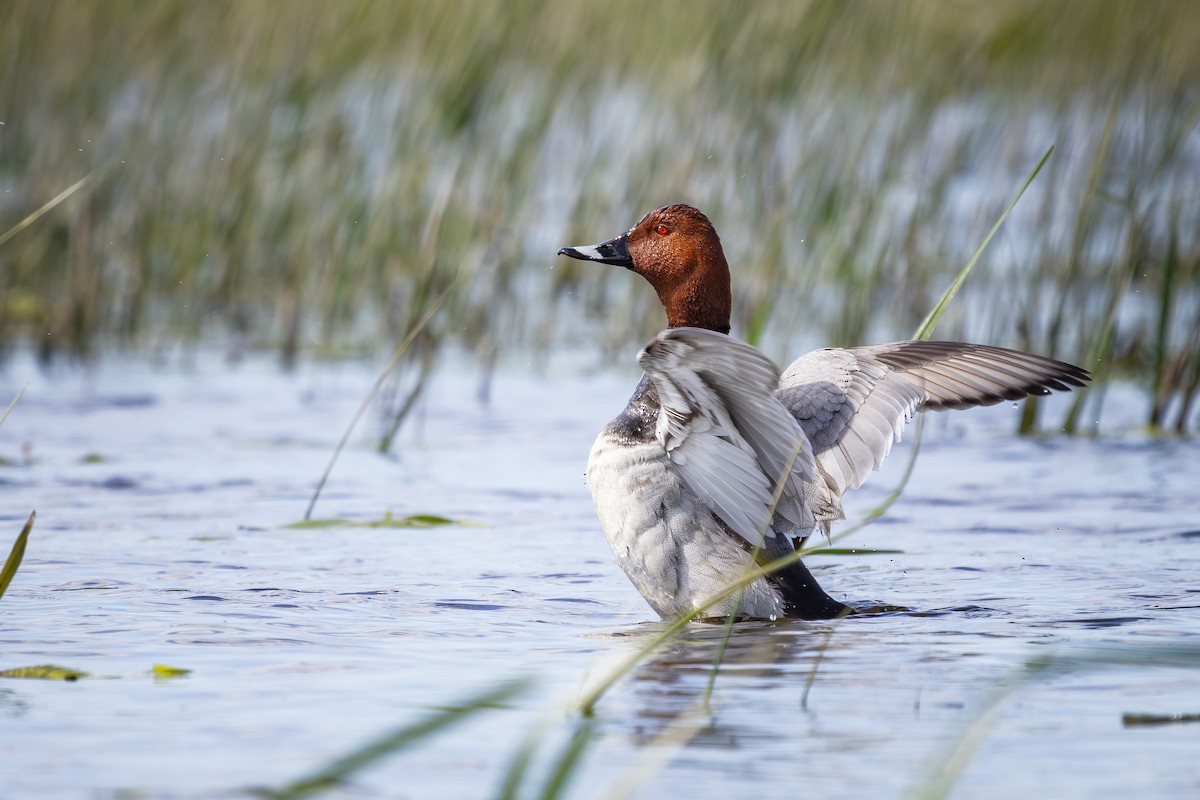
704	301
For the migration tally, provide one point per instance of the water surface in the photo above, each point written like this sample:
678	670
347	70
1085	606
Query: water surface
163	496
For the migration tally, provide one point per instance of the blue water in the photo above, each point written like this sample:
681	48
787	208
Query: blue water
171	548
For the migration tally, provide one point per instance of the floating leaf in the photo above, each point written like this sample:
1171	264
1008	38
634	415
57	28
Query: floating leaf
853	551
163	671
388	521
332	522
414	521
47	672
1133	720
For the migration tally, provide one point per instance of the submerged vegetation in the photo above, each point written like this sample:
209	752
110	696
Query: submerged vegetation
309	182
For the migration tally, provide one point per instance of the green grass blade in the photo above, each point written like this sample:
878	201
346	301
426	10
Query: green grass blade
812	673
399	354
16	555
518	765
925	329
940	778
46	207
719	656
568	761
345	767
659	751
11	405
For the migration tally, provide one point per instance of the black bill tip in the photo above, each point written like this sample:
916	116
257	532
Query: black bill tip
614	251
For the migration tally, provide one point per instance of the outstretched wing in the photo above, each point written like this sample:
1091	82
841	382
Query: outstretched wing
730	440
852	403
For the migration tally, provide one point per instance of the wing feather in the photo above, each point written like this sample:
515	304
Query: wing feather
735	431
729	438
853	403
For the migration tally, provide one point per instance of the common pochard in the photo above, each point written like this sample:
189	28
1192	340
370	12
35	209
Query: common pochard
685	480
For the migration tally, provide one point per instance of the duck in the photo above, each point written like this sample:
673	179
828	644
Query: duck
719	463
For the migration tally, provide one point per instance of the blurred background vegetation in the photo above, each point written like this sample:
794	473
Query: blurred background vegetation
306	176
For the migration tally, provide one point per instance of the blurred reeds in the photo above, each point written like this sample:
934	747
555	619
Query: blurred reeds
307	177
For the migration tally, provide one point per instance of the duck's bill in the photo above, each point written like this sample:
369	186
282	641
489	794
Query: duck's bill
614	251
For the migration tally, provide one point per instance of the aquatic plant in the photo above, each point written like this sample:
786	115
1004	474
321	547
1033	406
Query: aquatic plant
943	772
308	182
16	555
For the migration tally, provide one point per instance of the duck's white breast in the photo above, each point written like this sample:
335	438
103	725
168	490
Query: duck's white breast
667	541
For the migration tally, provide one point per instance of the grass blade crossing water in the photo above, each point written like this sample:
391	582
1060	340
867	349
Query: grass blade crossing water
341	769
925	329
399	354
568	761
938	781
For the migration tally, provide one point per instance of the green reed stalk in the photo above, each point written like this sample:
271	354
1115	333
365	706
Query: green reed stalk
1163	384
1100	355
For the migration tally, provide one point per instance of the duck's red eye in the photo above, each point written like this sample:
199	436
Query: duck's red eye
661	230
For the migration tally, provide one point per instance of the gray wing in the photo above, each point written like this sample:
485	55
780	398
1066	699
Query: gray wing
728	437
853	403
